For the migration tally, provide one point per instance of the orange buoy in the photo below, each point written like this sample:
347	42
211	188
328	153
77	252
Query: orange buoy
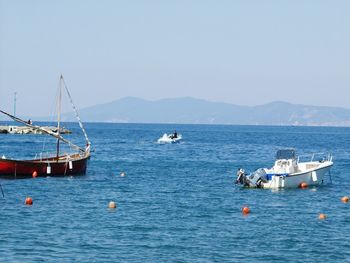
345	199
34	174
28	201
245	210
303	185
322	216
112	205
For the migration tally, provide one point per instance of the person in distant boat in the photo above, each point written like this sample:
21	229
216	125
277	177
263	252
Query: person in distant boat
173	136
30	122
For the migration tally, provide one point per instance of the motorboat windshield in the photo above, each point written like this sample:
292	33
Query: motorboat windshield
285	154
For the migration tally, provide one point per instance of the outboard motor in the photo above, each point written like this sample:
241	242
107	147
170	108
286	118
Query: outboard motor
256	179
241	176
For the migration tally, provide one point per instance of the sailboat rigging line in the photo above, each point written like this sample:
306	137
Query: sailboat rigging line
43	130
76	112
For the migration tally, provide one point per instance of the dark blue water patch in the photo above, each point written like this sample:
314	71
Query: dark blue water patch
177	203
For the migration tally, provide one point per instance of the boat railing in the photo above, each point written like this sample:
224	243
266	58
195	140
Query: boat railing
48	155
320	157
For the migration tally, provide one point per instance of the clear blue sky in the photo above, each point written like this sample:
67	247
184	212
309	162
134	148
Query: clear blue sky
243	52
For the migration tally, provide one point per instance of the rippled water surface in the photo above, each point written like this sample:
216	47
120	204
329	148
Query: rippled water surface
177	203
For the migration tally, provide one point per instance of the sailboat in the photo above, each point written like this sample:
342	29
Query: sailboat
56	165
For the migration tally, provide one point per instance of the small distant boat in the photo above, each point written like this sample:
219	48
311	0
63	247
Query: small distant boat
55	165
171	138
287	172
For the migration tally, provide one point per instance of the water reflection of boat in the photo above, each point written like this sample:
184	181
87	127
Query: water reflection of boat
171	138
287	172
57	164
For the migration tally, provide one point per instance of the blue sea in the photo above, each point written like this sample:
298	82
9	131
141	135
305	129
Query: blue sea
177	203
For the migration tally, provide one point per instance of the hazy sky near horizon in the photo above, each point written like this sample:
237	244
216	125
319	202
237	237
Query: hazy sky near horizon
243	52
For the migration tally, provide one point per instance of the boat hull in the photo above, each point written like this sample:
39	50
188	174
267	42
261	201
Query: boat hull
64	165
312	177
166	139
160	141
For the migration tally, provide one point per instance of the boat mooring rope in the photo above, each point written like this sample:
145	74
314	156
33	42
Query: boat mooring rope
2	191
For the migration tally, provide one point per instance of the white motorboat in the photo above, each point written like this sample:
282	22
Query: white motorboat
287	172
171	138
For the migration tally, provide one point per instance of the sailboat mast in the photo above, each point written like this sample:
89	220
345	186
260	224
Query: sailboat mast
59	116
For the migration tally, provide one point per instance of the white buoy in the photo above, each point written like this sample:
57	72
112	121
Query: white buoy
48	169
112	205
70	165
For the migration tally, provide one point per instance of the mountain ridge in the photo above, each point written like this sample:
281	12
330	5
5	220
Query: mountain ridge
188	110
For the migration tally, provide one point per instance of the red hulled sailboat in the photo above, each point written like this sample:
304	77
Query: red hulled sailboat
56	165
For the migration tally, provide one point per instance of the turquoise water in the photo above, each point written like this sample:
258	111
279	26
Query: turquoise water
177	203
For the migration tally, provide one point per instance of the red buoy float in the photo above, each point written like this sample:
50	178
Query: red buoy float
28	201
303	185
322	216
245	210
345	199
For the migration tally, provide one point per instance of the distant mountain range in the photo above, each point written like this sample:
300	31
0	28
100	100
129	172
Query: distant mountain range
189	110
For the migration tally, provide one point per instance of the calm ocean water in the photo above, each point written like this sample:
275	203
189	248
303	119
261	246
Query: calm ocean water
177	203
